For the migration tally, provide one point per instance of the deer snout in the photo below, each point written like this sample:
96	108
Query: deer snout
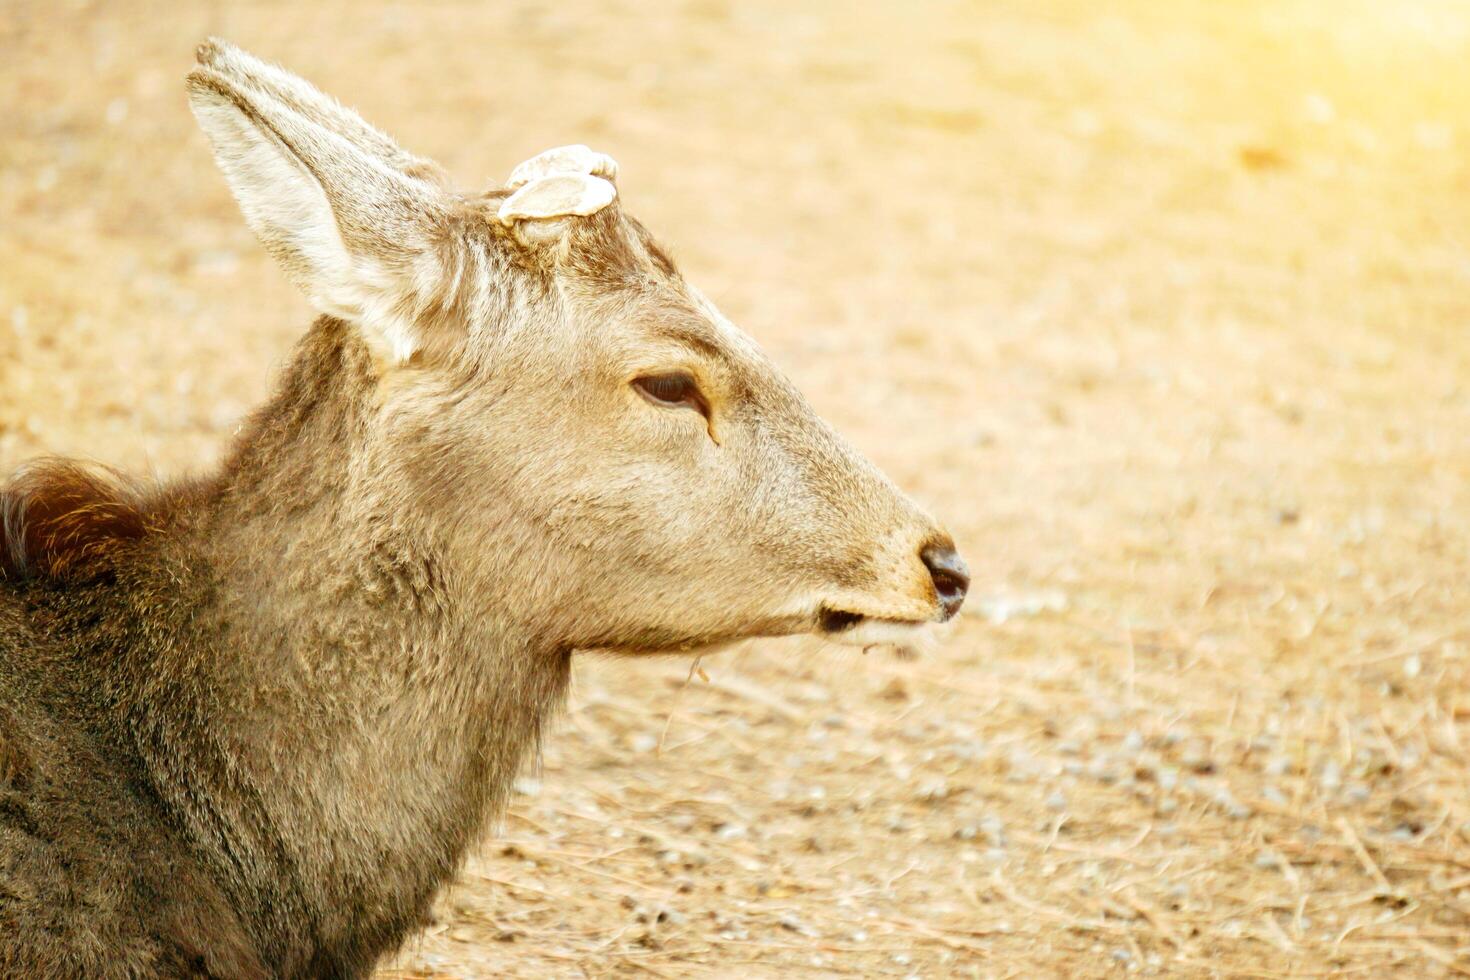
950	574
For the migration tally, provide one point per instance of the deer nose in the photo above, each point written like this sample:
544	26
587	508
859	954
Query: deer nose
950	574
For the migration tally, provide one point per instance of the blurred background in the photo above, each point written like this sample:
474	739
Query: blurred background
1161	306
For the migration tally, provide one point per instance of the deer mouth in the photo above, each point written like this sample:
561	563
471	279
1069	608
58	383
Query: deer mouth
856	629
837	620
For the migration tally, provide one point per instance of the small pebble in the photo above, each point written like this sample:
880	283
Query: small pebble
643	742
730	831
1101	769
792	924
934	790
1232	807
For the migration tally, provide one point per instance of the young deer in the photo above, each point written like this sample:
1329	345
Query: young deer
250	724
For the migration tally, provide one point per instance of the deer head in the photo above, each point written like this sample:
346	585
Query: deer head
600	456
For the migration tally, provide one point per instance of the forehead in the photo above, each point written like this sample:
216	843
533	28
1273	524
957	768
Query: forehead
612	250
685	328
616	265
657	318
628	290
654	252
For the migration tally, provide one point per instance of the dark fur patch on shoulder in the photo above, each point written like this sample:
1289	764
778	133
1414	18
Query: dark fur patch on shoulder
63	519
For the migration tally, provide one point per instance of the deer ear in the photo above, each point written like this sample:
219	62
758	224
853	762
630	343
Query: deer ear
354	231
248	72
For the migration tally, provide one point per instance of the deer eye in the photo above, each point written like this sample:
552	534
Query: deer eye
677	390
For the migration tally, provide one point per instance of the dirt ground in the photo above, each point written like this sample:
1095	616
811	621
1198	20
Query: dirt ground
1163	307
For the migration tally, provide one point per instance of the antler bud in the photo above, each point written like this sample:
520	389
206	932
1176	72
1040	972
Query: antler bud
565	181
557	196
573	159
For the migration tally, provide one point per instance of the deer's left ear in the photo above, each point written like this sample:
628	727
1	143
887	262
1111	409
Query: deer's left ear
361	237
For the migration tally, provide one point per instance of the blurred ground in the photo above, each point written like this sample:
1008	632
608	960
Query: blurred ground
1162	306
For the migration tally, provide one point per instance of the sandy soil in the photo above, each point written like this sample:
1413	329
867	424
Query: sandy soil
1162	306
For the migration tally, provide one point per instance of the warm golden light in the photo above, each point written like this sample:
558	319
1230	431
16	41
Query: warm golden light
1165	306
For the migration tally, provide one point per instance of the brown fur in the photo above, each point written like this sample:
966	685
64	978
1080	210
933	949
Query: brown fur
250	724
60	519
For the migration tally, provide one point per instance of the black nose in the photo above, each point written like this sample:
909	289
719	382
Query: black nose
950	574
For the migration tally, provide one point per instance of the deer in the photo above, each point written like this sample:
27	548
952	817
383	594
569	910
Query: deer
252	721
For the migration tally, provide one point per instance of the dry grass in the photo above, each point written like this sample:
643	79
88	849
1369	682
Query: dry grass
1162	306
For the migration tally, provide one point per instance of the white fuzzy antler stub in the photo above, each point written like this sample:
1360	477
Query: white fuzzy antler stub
557	196
574	159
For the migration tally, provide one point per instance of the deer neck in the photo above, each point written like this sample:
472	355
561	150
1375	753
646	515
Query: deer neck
362	720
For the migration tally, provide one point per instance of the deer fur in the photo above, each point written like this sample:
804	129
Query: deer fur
251	723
